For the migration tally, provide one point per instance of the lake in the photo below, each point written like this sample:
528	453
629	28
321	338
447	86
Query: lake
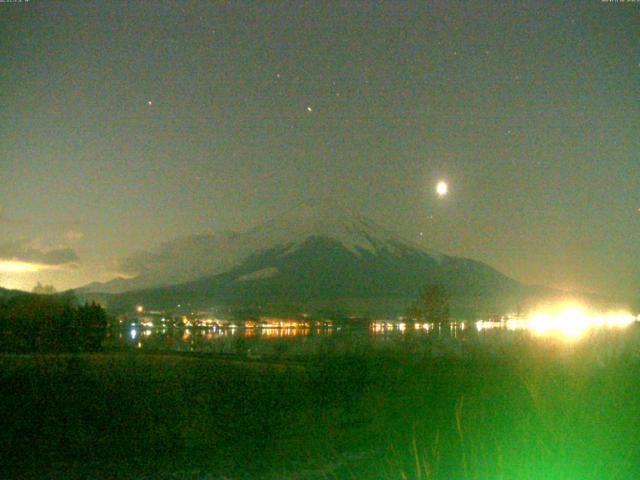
605	336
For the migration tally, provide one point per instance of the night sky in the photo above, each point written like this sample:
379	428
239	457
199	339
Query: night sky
123	125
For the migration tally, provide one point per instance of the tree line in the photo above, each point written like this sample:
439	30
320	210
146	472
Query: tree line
45	323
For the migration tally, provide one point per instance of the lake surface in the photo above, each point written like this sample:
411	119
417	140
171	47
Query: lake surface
455	339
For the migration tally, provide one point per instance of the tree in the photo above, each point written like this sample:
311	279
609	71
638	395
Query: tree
92	323
38	323
44	289
432	305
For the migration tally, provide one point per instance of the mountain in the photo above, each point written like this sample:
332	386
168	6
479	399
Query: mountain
188	258
310	257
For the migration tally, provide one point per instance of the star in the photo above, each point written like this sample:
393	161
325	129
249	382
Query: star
149	103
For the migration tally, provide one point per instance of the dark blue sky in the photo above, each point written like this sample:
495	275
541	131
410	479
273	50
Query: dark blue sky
126	124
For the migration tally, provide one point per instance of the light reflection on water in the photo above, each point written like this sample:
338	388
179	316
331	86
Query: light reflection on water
301	338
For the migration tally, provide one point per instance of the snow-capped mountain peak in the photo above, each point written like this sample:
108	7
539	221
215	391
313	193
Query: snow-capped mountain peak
355	232
189	258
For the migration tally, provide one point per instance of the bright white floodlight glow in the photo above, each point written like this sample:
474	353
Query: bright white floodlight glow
573	321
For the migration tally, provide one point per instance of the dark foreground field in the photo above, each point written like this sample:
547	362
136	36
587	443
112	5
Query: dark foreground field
522	415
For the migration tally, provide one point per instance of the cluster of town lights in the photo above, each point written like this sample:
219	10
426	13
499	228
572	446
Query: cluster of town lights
566	320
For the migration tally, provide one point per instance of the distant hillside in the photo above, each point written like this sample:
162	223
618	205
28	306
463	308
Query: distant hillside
4	293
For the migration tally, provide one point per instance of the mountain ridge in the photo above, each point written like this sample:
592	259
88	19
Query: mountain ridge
188	258
315	255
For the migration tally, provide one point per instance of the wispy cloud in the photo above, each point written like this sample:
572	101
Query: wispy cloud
20	256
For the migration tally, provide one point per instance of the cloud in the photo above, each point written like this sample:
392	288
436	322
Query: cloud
140	262
73	235
26	222
184	259
5	219
20	256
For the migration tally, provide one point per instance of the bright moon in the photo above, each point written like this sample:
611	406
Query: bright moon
442	189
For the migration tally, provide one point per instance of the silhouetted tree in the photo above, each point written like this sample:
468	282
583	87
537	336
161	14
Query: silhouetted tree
432	305
92	323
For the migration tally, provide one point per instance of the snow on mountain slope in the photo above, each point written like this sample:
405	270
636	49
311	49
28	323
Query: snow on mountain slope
259	274
355	232
188	258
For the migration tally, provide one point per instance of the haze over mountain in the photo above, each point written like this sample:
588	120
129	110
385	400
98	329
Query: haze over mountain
188	258
311	255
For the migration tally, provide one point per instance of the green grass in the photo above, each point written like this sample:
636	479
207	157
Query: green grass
525	414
